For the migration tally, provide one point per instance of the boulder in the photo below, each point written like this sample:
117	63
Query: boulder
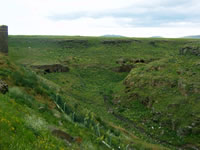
63	135
3	87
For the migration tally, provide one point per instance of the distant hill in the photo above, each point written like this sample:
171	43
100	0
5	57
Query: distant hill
156	37
112	35
193	37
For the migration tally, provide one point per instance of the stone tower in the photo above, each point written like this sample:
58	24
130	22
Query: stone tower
4	39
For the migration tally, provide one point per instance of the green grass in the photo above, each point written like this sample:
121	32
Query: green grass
28	114
156	103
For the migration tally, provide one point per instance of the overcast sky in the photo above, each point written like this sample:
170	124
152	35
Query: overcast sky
133	18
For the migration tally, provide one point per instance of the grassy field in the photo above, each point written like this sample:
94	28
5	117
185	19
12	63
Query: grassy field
119	93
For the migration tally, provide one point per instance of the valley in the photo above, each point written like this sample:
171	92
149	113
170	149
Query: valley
100	93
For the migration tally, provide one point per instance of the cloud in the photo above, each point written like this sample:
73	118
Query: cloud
170	18
152	14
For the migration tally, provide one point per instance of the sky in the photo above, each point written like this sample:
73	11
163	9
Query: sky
132	18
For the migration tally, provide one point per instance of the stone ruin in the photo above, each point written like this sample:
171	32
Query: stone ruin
4	39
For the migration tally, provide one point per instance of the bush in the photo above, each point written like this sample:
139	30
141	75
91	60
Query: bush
21	97
28	79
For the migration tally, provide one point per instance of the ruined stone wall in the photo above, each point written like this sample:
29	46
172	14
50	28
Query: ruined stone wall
4	39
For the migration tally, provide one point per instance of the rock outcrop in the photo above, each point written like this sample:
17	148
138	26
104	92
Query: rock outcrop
52	68
192	50
116	41
3	87
127	64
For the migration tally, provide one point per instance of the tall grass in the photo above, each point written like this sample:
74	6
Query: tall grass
21	97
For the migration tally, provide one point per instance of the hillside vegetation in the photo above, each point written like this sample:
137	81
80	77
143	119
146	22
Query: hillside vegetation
100	93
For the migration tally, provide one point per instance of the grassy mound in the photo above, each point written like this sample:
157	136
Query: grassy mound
162	98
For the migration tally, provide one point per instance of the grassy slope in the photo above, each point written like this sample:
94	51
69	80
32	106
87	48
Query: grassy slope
169	88
23	124
28	112
91	79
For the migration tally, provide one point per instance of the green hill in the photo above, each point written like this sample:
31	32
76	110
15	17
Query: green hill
100	93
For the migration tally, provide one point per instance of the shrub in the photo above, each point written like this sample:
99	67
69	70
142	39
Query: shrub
28	79
21	97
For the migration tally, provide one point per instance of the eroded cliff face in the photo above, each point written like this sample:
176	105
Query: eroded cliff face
51	68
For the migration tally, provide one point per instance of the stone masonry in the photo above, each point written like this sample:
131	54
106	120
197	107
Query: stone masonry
4	39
